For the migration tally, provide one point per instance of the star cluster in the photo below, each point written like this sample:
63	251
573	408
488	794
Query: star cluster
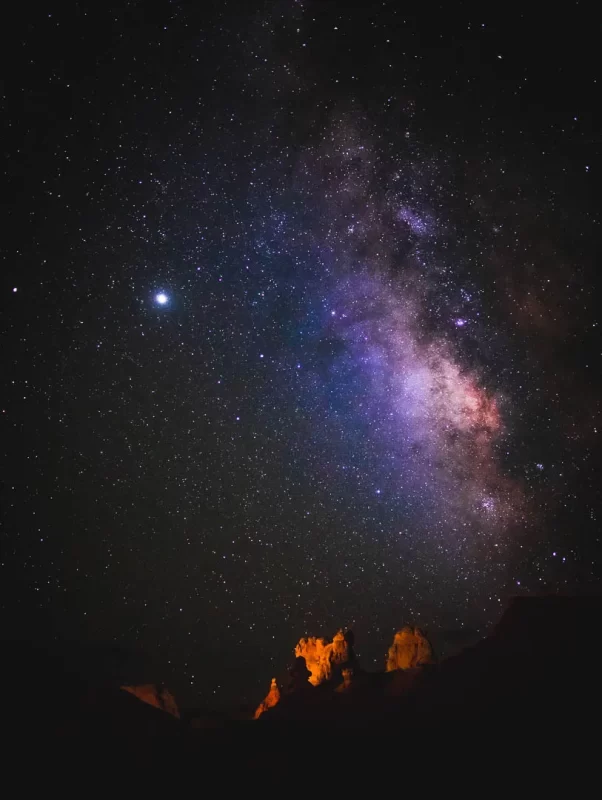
300	329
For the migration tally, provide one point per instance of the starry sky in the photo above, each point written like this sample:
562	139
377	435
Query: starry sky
299	326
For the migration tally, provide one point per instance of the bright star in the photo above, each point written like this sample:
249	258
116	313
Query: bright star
161	298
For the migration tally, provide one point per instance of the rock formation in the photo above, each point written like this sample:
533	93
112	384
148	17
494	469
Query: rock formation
347	675
410	649
322	657
159	698
300	676
272	698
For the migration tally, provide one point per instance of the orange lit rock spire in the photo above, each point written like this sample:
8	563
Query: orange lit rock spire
272	698
322	656
410	649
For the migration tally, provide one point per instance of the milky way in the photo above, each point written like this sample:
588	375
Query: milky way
430	416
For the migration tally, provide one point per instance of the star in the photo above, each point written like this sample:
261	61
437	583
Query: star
162	298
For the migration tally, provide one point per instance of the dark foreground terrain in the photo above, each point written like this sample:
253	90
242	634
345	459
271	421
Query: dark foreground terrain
536	674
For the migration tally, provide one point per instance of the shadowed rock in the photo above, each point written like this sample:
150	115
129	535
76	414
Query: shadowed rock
159	698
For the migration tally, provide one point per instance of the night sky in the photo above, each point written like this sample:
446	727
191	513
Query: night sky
299	326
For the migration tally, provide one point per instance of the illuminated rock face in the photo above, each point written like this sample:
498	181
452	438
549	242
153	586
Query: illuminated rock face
271	699
159	698
321	656
410	649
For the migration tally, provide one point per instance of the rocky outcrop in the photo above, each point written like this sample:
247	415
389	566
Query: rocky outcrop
410	649
300	677
272	698
159	698
322	656
347	675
